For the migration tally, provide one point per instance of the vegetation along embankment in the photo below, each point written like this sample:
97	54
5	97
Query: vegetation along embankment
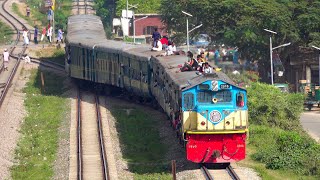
6	34
277	141
46	109
141	144
38	14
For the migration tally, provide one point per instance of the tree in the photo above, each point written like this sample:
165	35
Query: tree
144	6
241	23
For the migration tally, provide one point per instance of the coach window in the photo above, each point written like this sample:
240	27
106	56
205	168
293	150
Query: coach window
188	101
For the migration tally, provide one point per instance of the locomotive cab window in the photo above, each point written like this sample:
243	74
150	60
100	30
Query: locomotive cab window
240	99
188	102
223	96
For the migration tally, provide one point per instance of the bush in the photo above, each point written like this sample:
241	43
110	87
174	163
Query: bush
269	106
245	78
287	150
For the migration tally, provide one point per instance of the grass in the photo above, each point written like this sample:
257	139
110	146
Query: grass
37	148
6	33
38	12
15	9
269	174
283	155
51	54
141	143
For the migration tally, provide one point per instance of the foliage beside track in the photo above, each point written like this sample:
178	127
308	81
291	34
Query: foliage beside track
6	33
51	54
37	147
153	6
38	14
269	106
276	137
141	143
286	150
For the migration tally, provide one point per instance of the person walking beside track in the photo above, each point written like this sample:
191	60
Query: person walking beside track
60	36
35	36
49	33
28	11
44	32
25	36
6	57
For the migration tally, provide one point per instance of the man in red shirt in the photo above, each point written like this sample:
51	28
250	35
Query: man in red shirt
164	42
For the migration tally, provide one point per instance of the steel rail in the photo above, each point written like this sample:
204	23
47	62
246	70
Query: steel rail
14	70
232	173
15	28
101	142
205	172
49	64
79	140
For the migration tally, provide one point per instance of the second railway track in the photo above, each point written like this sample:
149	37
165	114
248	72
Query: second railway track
91	158
15	23
83	7
226	173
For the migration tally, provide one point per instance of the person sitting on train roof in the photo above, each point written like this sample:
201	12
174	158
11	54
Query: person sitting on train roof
207	69
158	47
191	65
202	57
164	41
200	61
169	51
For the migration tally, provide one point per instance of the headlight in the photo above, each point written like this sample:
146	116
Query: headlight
215	116
214	85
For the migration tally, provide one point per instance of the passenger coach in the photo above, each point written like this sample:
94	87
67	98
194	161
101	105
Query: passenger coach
209	112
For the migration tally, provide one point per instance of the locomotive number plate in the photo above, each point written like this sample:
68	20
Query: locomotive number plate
225	86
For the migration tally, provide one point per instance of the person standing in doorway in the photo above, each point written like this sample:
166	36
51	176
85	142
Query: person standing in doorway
6	57
28	11
35	36
43	33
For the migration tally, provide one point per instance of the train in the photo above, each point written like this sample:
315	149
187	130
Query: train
209	112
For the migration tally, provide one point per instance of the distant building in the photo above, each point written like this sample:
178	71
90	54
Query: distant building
143	28
304	65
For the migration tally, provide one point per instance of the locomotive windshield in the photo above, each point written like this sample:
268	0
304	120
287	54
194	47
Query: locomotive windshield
207	96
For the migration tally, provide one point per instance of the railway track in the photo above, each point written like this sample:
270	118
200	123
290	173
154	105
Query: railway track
17	57
15	24
83	7
91	155
210	174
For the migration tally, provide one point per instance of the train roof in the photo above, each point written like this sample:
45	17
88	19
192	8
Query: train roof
188	79
87	31
84	29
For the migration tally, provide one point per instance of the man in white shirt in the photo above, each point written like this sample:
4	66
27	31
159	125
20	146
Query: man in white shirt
6	56
158	47
27	59
207	69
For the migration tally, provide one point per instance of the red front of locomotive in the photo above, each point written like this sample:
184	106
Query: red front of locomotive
215	148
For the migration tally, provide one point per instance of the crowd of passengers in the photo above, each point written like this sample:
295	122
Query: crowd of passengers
199	64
